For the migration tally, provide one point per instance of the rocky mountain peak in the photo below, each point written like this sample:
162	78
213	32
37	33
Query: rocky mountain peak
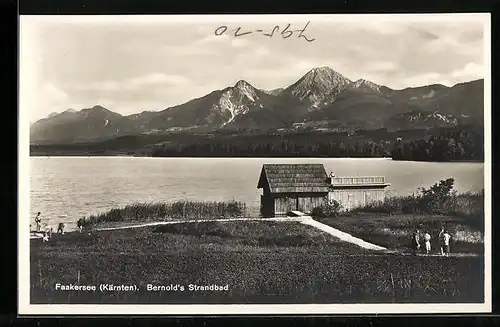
242	84
242	91
363	83
318	84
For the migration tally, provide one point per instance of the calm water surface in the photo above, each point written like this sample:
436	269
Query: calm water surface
67	188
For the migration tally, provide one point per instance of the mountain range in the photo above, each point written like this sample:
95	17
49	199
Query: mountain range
321	99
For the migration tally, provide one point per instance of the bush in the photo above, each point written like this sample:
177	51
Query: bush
332	209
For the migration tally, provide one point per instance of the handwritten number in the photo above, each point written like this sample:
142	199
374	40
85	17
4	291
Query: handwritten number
241	34
275	29
303	36
285	33
220	30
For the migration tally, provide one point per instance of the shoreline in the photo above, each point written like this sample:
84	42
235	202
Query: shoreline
253	158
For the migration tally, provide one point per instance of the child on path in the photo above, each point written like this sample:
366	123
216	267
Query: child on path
427	239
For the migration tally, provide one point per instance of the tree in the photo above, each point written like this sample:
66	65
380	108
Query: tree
433	199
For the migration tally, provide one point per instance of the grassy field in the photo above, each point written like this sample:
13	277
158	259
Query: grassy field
395	231
261	262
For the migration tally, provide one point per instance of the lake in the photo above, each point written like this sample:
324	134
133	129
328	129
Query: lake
68	188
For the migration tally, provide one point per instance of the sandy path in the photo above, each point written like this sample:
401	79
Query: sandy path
159	223
341	235
306	220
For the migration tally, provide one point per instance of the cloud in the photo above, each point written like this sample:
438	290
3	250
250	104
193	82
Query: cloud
240	43
423	79
155	78
380	27
134	83
381	66
53	94
211	39
261	51
210	45
45	100
471	71
438	45
223	40
129	65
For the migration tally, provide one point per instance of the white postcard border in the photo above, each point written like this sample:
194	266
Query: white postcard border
24	306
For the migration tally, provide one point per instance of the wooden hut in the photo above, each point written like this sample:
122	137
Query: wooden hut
357	191
288	187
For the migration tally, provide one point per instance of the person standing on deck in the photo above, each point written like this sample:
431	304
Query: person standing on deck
38	221
446	243
416	242
427	239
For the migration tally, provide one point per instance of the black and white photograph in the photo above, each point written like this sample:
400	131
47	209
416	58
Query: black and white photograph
254	164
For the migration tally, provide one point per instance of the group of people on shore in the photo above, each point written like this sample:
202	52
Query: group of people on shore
46	229
444	242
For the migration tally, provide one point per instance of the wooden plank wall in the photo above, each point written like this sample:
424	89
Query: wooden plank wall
306	204
285	204
352	198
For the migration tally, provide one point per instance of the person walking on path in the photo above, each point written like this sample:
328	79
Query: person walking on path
38	221
446	244
416	242
427	239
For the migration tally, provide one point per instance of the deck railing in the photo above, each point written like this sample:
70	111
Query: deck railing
358	180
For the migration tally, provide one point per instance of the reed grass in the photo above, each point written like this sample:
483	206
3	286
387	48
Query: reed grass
179	210
465	205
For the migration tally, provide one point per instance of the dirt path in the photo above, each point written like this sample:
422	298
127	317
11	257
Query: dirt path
306	220
159	223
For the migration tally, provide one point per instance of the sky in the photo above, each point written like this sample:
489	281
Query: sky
130	64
